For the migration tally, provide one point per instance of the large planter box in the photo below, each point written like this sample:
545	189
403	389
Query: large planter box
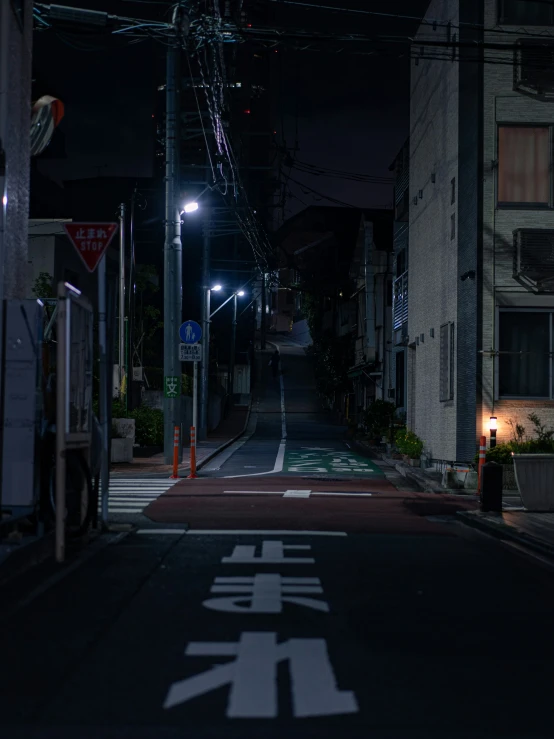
125	428
122	451
535	480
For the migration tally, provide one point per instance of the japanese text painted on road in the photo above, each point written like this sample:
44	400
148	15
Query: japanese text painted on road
252	673
327	459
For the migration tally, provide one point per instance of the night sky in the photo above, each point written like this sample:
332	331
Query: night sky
342	111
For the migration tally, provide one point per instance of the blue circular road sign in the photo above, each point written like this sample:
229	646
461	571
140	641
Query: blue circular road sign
190	332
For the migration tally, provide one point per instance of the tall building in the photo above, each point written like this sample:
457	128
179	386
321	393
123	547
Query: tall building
401	169
481	223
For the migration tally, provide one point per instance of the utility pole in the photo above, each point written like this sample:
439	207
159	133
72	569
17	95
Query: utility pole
204	377
131	304
103	389
263	320
173	276
121	298
232	357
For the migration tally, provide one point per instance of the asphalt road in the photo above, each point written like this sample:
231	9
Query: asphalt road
298	603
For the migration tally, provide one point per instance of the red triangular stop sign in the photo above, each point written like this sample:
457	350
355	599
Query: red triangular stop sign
90	240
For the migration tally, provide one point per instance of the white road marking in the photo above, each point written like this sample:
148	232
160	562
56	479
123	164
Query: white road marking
163	532
252	676
265	593
262	532
280	459
350	495
273	552
279	462
284	493
133	495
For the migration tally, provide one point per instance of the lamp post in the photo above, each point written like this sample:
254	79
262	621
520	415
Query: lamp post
192	207
493	425
204	378
231	391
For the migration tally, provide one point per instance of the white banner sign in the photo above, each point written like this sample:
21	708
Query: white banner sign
190	352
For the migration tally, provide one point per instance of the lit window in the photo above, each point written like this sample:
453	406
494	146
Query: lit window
524	165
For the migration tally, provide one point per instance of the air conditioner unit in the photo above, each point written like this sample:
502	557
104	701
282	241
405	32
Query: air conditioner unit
534	259
533	67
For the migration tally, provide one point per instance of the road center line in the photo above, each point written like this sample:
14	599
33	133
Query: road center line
261	532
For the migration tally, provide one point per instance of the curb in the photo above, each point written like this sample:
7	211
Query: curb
227	443
501	530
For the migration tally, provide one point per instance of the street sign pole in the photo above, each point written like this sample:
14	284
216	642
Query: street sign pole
91	241
195	395
121	298
103	390
173	278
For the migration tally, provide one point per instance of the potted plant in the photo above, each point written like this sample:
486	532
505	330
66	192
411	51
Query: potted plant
409	445
534	466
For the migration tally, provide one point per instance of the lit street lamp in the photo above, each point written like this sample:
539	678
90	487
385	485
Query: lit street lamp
493	425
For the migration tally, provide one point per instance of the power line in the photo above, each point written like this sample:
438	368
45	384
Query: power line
434	22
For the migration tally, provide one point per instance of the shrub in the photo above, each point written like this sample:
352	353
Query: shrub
520	443
149	423
409	444
378	418
149	426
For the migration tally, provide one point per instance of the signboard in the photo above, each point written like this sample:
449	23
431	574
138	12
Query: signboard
190	353
90	240
190	332
172	387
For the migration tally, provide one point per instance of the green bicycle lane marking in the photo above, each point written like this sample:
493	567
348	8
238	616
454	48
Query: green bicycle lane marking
327	459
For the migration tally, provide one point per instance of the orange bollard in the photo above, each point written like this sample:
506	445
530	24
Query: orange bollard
175	475
482	458
192	475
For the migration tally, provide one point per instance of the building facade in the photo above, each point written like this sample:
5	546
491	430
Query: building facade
481	222
400	293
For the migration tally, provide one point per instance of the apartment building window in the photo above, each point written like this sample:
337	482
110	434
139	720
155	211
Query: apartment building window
525	13
446	362
453	226
453	191
401	265
524	361
524	171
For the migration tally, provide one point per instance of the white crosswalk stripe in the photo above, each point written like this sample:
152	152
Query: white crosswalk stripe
133	495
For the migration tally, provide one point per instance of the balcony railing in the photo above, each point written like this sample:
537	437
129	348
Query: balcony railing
400	301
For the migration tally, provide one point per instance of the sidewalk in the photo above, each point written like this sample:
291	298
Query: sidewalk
225	434
532	530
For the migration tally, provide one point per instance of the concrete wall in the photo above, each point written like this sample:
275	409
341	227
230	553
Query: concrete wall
504	105
15	117
432	260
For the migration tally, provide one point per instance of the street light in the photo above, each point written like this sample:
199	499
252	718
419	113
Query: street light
240	293
216	288
493	425
190	207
